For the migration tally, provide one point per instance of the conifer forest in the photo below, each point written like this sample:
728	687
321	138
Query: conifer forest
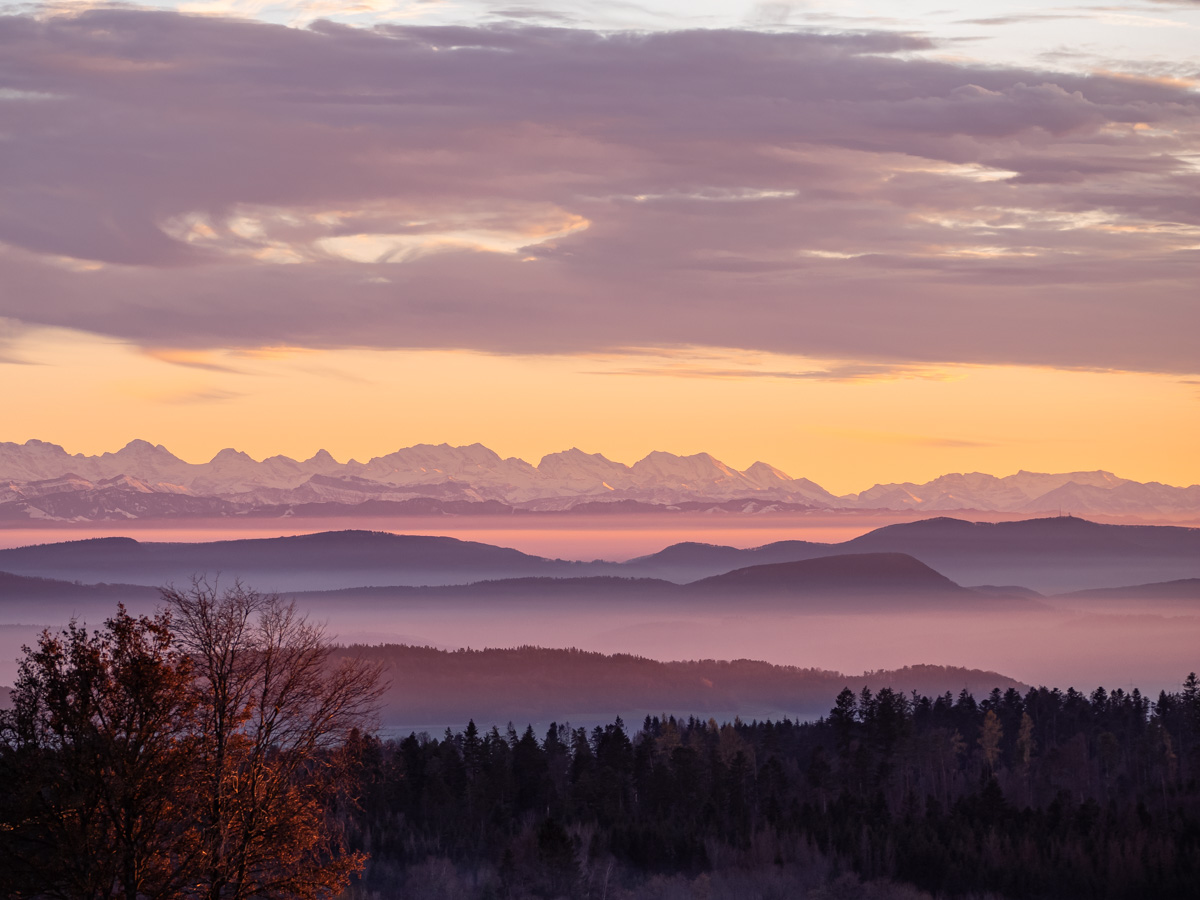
1043	795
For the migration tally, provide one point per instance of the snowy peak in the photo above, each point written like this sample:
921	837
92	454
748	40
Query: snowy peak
697	469
33	460
766	476
1036	484
146	462
429	464
322	459
1097	492
36	470
422	460
582	473
578	459
144	450
230	456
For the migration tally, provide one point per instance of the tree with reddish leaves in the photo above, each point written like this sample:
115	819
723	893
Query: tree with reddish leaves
195	755
272	712
93	754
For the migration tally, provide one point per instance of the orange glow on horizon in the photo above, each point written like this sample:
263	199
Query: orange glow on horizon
844	424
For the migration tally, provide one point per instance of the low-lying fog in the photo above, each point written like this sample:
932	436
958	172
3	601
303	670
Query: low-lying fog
1151	648
1055	648
1111	643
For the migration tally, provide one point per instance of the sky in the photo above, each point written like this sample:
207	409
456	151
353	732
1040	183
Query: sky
863	242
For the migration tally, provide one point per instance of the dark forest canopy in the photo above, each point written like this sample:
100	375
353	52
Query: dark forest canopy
1038	794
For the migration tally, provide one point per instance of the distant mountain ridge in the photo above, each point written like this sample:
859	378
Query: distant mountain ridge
41	481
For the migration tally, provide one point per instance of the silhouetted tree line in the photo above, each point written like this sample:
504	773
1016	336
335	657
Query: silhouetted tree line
1042	794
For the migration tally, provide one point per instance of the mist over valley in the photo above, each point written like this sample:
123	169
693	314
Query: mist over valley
1046	601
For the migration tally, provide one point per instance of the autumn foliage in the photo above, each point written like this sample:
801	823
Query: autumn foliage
196	754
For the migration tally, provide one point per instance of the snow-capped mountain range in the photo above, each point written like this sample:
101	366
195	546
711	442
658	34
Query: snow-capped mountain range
40	480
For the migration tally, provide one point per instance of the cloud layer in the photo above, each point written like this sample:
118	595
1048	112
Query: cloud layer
192	182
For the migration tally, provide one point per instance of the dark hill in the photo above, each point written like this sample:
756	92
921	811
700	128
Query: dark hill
326	559
689	560
865	582
1051	554
860	582
22	596
1046	536
1006	590
605	588
1183	589
533	684
889	573
1047	555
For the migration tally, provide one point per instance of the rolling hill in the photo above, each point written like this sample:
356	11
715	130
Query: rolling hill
1051	555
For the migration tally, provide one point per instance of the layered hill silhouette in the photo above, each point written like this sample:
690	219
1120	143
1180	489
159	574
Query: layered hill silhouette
326	559
438	688
867	582
48	592
1182	594
871	582
1051	555
1185	590
853	573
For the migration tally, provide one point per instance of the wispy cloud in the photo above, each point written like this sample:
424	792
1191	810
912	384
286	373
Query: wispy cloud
850	372
204	395
11	332
912	440
947	442
1022	18
192	359
10	359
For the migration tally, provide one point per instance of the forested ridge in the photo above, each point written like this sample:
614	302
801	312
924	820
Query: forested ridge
538	684
1035	795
